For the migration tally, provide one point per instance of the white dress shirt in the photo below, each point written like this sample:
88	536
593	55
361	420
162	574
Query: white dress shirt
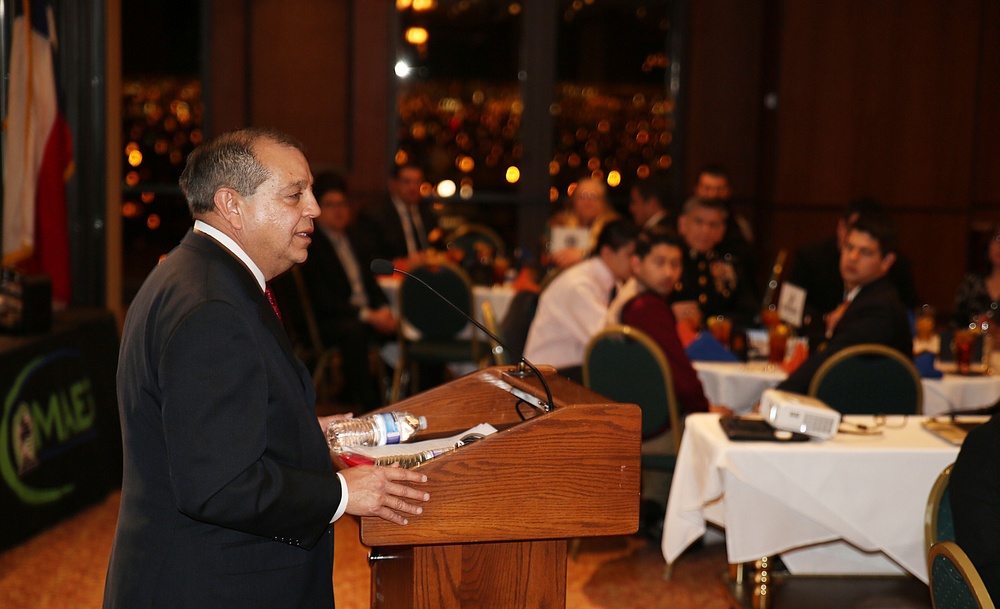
570	312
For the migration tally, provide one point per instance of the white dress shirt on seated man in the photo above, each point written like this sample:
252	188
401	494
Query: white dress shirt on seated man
570	312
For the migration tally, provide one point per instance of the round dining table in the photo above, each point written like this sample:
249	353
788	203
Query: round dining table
738	386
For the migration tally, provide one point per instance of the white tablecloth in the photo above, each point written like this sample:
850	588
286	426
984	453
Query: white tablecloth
499	297
739	386
853	504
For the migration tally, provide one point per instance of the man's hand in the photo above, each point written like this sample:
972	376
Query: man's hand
383	321
376	491
568	257
720	410
687	312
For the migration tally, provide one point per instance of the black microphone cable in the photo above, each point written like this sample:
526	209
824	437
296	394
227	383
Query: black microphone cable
381	266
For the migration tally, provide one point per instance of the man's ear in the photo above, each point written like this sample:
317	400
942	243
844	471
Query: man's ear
227	204
887	261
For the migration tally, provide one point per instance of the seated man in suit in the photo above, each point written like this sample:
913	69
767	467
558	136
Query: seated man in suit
815	268
870	311
714	281
403	224
974	489
351	309
648	203
572	308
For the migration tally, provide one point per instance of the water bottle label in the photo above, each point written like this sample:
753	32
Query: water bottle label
390	427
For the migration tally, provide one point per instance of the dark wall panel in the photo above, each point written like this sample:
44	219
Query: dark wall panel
877	98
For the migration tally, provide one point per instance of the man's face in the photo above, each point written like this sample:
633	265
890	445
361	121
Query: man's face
406	187
703	228
861	260
618	260
660	269
588	202
277	220
334	211
641	209
712	187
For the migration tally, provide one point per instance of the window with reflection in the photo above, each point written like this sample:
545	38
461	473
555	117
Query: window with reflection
461	99
162	113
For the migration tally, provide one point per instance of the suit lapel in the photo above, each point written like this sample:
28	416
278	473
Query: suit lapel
251	291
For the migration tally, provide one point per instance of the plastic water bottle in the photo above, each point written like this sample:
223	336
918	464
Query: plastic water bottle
373	430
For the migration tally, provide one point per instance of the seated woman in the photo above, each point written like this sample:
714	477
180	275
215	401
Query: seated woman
588	209
979	293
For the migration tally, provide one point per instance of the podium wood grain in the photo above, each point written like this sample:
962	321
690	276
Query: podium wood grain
494	531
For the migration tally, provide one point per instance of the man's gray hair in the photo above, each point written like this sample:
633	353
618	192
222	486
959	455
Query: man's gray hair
713	204
228	161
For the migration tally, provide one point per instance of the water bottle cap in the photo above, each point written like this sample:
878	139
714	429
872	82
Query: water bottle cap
423	423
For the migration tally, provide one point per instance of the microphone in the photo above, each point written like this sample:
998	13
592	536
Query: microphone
381	266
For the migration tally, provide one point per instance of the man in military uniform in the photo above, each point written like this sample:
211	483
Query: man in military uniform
714	281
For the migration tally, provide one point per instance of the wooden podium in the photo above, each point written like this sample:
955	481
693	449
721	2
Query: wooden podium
494	533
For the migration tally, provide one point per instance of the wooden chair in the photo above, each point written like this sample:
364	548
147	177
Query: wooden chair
869	379
954	581
938	522
429	329
324	361
500	355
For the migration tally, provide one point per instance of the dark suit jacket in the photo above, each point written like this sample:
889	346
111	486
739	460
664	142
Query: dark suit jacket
327	281
974	490
816	268
875	316
383	220
228	488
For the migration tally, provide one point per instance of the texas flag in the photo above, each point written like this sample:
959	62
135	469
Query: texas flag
38	155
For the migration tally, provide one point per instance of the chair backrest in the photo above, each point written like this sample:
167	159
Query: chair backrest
626	365
305	309
468	239
500	356
424	311
517	321
938	522
954	581
466	236
869	379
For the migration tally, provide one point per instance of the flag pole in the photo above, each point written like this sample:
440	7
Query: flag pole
4	73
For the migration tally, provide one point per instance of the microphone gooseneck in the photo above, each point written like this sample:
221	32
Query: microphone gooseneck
380	266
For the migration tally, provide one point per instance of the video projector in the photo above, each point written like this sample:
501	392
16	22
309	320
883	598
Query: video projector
787	411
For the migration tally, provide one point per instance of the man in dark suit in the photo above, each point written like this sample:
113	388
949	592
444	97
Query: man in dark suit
405	226
870	311
974	490
228	491
815	268
351	310
648	203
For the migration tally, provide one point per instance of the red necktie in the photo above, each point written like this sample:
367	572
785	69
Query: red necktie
274	301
